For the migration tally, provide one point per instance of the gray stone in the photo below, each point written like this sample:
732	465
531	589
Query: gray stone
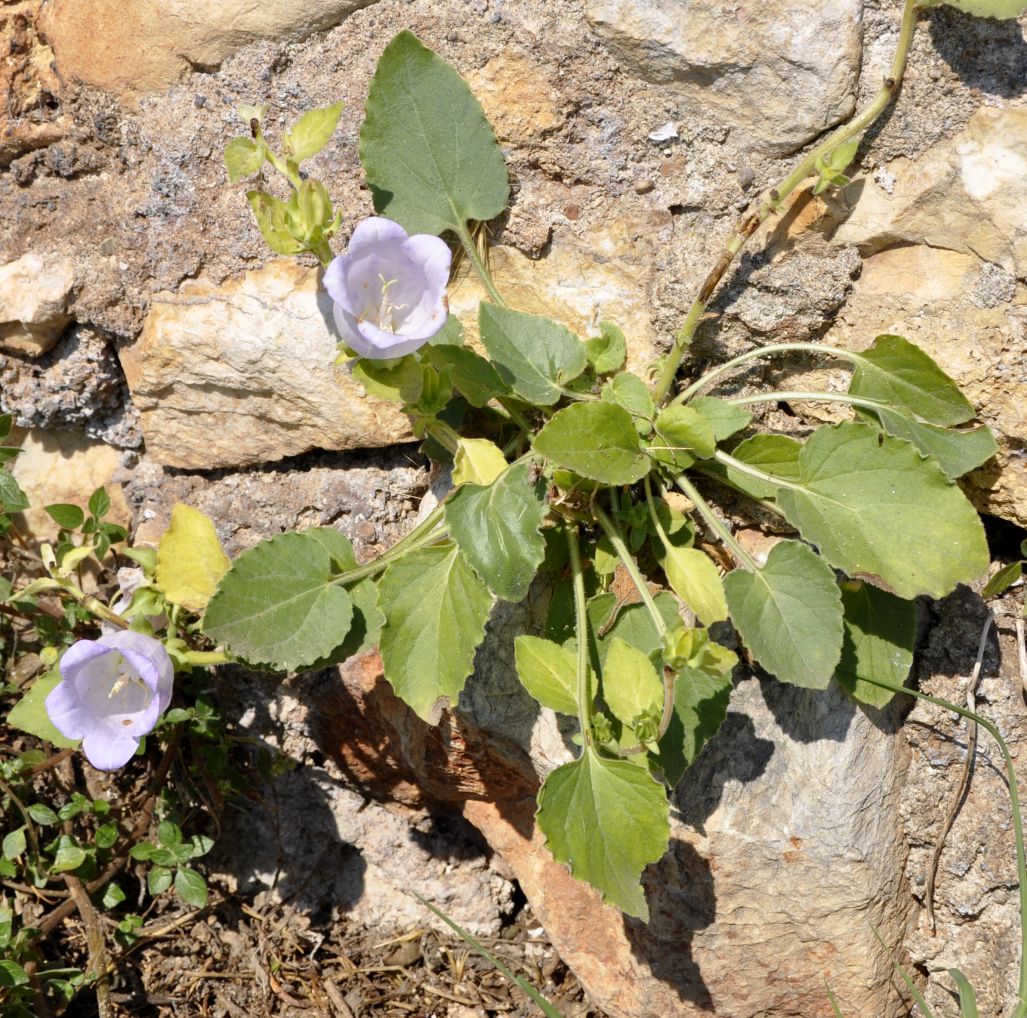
778	72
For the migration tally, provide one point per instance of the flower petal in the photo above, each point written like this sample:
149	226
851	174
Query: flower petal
106	753
63	707
149	658
381	345
373	231
433	256
346	323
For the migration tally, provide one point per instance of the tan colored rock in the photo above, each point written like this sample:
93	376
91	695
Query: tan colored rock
966	194
130	47
29	118
243	373
580	283
34	292
519	100
780	72
65	466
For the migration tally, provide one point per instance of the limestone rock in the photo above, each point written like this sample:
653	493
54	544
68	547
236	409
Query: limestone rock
34	292
242	373
130	47
965	194
65	466
779	72
519	100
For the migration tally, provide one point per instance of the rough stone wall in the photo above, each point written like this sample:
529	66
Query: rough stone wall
140	310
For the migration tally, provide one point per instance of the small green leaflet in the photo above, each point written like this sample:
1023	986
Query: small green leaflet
435	610
243	157
629	391
497	529
773	454
431	159
789	614
29	713
876	508
880	632
725	418
12	498
607	351
607	820
684	427
900	374
398	382
279	605
630	684
1003	579
596	440
475	378
312	131
694	578
532	354
548	672
478	461
700	706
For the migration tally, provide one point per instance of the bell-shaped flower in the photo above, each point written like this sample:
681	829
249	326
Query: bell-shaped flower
112	691
389	289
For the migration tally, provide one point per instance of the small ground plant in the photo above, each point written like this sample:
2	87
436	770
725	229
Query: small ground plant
565	465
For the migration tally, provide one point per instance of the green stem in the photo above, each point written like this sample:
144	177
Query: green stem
715	525
584	693
760	475
807	397
771	202
516	416
761	351
628	561
446	436
207	658
471	250
424	533
1020	1011
324	253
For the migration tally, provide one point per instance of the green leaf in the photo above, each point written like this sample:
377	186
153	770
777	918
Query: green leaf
6	424
113	896
596	440
312	131
190	887
190	559
278	604
695	579
773	454
629	391
684	427
158	880
700	706
435	609
169	833
42	814
606	352
631	686
99	503
967	998
396	381
473	376
105	835
29	713
14	843
243	158
880	632
272	215
69	517
548	672
497	529
900	374
12	974
1001	9
789	614
69	855
877	509
607	820
632	623
957	452
431	159
532	354
477	462
725	418
12	498
1003	579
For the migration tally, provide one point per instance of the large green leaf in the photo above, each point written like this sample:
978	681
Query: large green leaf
900	374
278	605
957	452
431	159
789	614
876	508
29	713
773	454
700	706
548	672
535	356
631	686
1001	9
607	820
725	418
880	631
596	440
475	378
435	610
497	529
695	580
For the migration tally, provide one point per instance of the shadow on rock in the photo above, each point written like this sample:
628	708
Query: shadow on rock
986	54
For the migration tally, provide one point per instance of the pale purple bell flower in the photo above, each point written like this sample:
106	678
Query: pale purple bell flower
389	289
112	692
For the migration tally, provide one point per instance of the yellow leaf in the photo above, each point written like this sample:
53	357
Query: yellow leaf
190	559
478	461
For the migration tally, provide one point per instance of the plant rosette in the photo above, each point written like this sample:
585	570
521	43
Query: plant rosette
112	692
389	289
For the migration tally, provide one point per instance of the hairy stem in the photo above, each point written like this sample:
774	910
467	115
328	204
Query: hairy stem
584	693
715	524
810	397
771	202
760	475
426	532
471	250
